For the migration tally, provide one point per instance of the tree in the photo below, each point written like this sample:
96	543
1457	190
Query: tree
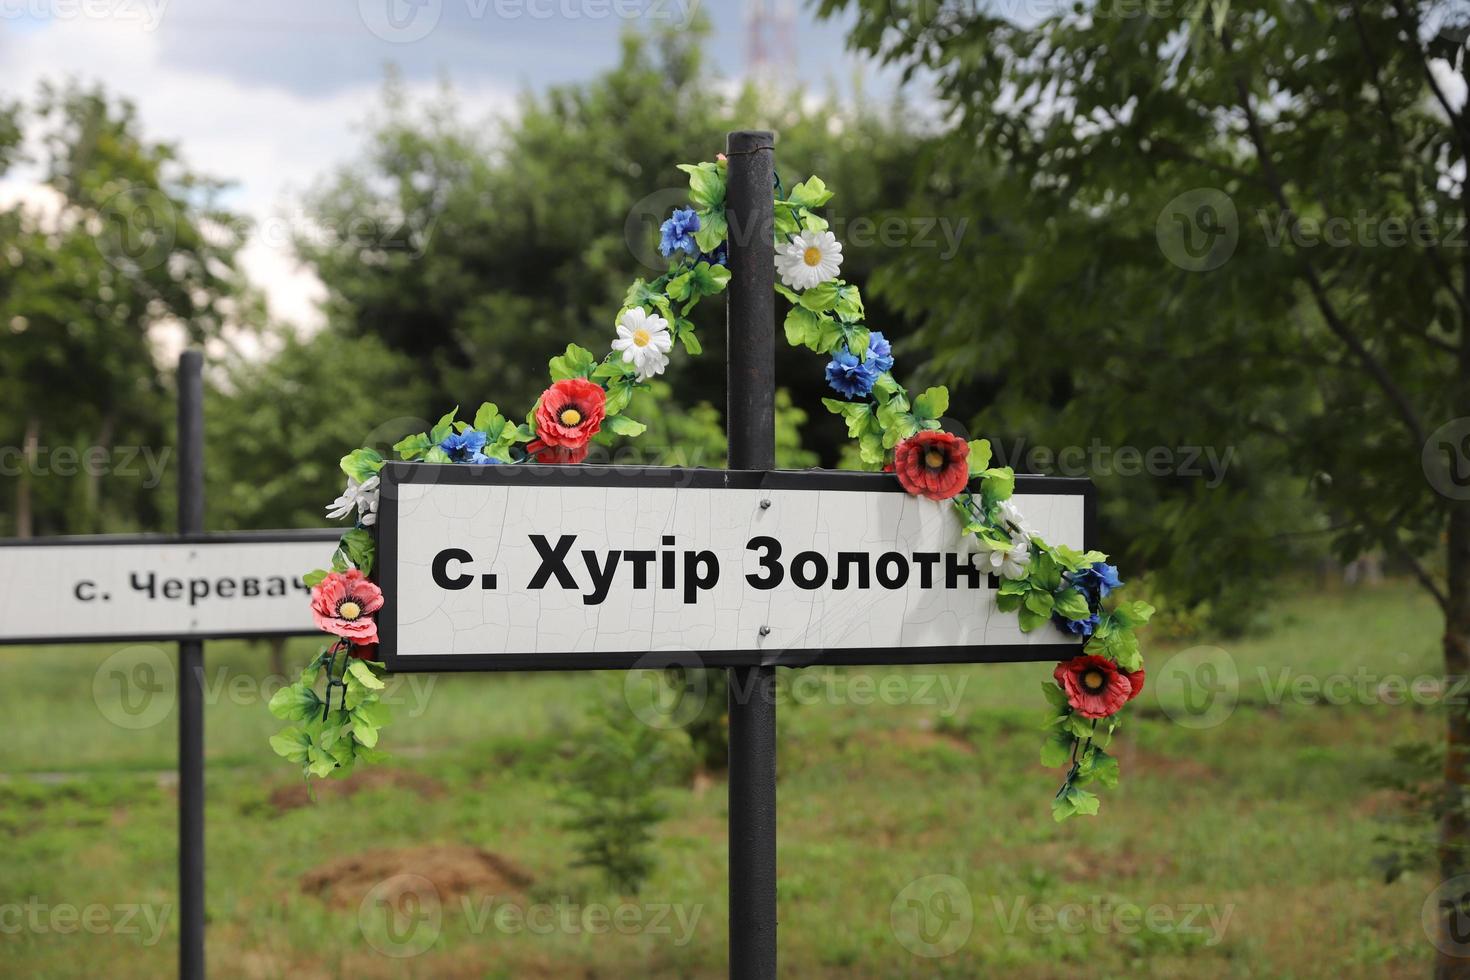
481	251
127	244
1240	221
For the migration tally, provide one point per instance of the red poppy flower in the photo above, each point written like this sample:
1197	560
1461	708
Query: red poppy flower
1135	678
933	464
555	455
343	604
570	412
1095	686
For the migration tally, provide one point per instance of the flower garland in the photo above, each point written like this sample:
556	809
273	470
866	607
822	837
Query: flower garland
1045	585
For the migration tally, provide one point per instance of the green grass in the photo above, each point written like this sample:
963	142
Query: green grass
1267	817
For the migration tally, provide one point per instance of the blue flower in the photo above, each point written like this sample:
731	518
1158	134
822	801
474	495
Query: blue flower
1098	580
850	376
1077	627
677	234
466	447
880	352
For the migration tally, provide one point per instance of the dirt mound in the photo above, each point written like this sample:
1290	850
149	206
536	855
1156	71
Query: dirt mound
452	869
297	794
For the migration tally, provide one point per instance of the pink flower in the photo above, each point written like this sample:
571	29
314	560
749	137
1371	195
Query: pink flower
342	604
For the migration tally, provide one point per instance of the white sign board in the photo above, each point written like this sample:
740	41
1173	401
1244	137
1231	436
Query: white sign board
100	588
543	567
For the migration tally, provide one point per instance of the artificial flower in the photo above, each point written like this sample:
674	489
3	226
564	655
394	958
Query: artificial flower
880	352
466	447
1095	687
1013	520
363	496
809	259
644	339
677	234
364	651
1097	580
933	463
1078	627
1135	678
343	604
1010	562
570	412
849	376
555	455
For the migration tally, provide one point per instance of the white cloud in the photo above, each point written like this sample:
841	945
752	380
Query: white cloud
271	142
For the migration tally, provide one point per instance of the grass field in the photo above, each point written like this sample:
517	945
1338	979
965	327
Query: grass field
1238	845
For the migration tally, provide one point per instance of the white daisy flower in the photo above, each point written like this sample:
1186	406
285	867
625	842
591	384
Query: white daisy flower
363	496
1009	563
644	339
1011	516
809	259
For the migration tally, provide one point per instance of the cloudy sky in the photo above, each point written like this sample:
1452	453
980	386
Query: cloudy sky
271	93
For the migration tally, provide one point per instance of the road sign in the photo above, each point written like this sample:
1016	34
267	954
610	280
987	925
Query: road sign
113	588
545	567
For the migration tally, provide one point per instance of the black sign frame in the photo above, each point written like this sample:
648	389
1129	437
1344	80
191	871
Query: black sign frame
395	474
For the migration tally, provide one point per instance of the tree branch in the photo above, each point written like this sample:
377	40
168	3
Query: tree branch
1375	368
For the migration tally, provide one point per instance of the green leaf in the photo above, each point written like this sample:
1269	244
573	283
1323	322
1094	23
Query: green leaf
362	464
625	426
849	305
857	341
858	415
314	578
1008	601
1029	618
1057	750
296	702
1083	802
1055	696
412	447
706	185
1072	604
803	328
810	193
1044	573
488	417
1040	603
933	403
691	343
292	743
575	362
821	297
357	544
1134	613
365	676
979	456
712	230
998	484
619	394
444	428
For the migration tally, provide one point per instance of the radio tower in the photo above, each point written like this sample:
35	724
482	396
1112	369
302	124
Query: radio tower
770	41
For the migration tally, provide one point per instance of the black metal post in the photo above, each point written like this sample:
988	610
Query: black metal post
191	681
751	424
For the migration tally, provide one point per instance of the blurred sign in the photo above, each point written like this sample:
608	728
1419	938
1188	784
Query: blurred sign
104	588
545	567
